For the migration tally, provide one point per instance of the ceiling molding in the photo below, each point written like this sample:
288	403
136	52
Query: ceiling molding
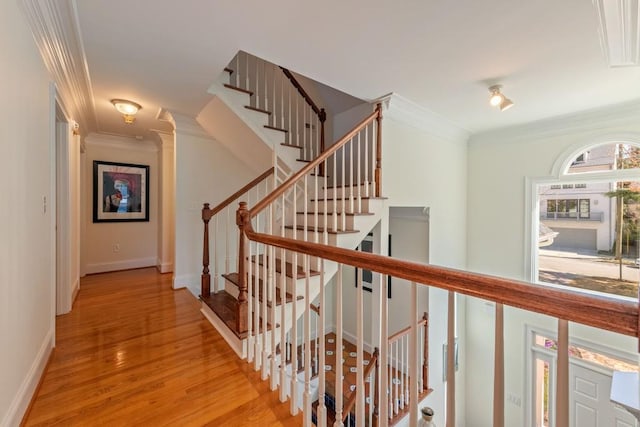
401	109
186	125
120	143
56	31
619	31
589	121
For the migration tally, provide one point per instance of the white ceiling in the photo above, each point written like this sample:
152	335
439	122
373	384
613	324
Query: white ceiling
442	55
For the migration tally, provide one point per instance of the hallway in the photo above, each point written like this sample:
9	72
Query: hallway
135	352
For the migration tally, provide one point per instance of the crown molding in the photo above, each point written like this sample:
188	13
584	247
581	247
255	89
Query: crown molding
584	122
120	143
186	125
56	32
401	109
619	31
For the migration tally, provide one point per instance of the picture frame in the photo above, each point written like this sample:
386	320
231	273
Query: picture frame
120	192
367	275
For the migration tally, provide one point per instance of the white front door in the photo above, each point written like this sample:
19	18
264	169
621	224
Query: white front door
589	400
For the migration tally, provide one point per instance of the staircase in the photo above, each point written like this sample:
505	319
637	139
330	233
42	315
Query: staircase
265	299
334	202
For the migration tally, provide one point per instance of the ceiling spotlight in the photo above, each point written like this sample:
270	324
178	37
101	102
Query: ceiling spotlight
497	99
506	104
128	109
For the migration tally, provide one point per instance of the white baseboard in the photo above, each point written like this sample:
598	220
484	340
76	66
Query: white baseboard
354	339
238	345
23	397
74	291
189	281
128	264
164	267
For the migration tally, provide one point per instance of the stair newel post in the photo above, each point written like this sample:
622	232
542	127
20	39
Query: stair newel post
323	117
243	221
205	281
378	174
425	353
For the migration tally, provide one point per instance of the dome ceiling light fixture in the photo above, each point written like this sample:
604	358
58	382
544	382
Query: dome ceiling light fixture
128	109
497	99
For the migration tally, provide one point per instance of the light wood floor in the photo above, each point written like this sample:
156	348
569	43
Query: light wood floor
134	352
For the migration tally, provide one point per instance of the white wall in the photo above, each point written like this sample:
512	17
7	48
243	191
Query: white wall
137	241
498	163
206	172
420	168
26	262
423	166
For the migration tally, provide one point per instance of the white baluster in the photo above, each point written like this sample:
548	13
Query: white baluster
413	359
359	180
250	329
366	161
451	368
322	409
383	398
498	369
338	353
227	251
562	375
343	226
335	194
351	163
360	392
307	344
403	366
294	327
216	270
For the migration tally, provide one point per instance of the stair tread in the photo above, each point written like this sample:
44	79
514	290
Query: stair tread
259	110
276	128
228	70
284	144
223	304
288	267
331	187
239	89
233	279
338	213
321	229
330	199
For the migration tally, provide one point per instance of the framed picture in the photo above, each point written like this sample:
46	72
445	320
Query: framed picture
120	192
367	275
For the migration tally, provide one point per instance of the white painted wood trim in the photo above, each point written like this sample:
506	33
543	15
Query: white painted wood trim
237	345
104	267
403	110
27	389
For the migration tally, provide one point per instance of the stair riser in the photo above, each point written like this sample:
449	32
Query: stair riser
311	236
349	191
319	220
339	206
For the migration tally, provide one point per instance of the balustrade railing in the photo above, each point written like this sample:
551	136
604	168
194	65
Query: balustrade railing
277	92
403	356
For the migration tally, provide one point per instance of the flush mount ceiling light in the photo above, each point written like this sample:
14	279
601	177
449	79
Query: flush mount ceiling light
619	31
497	99
128	109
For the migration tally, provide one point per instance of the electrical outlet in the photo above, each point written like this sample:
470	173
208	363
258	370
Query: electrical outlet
116	247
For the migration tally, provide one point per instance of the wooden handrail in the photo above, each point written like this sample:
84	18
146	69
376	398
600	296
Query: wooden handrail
304	93
405	331
598	311
267	200
226	202
207	214
352	399
315	308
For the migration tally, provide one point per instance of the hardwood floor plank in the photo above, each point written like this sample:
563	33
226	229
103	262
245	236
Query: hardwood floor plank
134	352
